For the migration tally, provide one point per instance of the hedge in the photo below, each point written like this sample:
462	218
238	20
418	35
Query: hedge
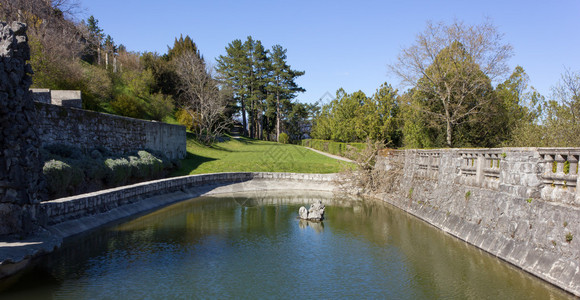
332	147
68	171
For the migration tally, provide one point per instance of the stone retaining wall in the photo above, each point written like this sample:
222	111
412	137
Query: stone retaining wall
88	129
520	204
20	166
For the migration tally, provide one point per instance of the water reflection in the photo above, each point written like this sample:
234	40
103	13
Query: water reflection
318	226
253	246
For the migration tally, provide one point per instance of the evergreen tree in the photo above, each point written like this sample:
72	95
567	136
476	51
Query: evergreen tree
233	72
282	86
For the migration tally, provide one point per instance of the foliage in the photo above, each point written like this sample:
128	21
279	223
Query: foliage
261	82
366	177
451	68
283	138
160	106
200	97
58	176
569	237
68	171
356	117
128	106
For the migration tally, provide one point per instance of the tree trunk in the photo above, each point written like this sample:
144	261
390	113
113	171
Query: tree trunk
244	122
449	133
278	117
107	61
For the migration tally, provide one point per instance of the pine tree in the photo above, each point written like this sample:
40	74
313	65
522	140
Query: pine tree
233	70
283	86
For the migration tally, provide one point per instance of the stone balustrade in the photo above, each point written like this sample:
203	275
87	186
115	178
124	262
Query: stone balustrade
549	174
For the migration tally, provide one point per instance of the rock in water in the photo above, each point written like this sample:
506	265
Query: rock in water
315	212
303	213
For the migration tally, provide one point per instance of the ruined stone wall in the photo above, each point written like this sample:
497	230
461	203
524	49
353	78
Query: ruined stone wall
20	167
88	130
520	204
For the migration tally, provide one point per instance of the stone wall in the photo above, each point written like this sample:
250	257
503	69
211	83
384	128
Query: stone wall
20	166
88	129
86	205
70	98
520	204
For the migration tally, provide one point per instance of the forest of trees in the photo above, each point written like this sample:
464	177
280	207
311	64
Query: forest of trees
459	91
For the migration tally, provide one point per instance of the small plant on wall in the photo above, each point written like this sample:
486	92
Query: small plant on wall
569	237
467	195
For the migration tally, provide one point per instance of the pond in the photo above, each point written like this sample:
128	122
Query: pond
253	246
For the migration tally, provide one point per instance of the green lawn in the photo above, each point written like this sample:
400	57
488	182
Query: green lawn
247	155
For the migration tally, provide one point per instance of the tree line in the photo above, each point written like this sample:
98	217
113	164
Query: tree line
452	101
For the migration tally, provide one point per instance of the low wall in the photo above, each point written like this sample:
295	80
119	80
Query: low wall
520	204
69	216
88	129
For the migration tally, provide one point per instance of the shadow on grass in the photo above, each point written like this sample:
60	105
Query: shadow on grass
190	163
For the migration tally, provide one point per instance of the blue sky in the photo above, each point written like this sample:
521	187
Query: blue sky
345	44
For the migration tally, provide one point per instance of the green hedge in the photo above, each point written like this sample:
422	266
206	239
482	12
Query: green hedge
69	172
336	148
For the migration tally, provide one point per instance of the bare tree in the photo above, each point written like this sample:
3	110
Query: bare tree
450	65
200	96
568	93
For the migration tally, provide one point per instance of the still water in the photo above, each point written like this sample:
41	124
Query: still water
253	246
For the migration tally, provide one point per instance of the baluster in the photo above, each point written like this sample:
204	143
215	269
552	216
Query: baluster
560	160
573	159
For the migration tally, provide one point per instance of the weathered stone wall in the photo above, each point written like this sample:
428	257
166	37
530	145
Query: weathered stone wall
70	98
520	204
20	167
88	129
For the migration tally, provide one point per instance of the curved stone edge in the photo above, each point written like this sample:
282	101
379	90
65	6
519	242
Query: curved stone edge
66	217
561	272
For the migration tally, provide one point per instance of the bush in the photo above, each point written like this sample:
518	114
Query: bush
58	176
128	106
283	138
119	171
153	164
160	106
97	169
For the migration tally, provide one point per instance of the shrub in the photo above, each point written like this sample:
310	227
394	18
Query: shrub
283	138
160	106
128	106
153	164
58	176
569	237
119	171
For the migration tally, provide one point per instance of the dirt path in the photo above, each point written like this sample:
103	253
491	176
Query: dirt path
331	155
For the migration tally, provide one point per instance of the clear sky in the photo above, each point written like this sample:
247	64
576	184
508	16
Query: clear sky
345	44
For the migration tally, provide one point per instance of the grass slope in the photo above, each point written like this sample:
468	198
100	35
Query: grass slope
247	155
